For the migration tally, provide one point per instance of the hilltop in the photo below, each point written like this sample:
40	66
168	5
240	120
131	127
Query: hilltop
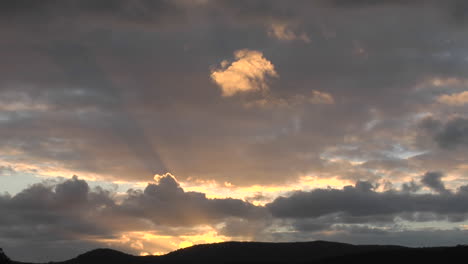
260	252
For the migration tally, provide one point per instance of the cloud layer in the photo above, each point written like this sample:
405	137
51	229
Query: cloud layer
136	80
71	212
255	106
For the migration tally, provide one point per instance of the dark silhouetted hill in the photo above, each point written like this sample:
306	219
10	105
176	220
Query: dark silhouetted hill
320	252
104	255
4	258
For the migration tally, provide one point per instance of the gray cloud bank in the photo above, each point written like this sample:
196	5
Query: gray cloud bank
360	203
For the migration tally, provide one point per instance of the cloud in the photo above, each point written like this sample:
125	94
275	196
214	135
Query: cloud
183	208
71	211
361	204
71	214
270	101
122	12
249	72
108	98
54	211
456	99
118	90
321	98
410	187
453	134
282	31
433	180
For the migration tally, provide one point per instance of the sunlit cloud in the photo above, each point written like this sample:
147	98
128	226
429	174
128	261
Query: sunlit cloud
456	99
442	83
248	72
262	194
283	31
319	97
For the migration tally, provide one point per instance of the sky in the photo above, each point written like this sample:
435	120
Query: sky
148	126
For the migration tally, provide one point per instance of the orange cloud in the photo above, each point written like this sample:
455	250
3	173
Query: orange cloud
261	194
321	98
249	72
456	99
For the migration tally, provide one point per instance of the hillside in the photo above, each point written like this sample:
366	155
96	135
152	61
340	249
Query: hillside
256	252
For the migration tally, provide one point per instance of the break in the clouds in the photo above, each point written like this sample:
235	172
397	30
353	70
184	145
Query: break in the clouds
267	112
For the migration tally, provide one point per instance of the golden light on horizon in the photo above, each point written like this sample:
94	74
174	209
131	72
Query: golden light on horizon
151	243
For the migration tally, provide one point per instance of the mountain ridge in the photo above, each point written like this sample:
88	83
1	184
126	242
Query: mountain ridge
274	252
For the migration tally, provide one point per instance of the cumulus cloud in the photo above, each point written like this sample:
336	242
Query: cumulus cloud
433	180
71	211
248	72
183	208
456	99
51	212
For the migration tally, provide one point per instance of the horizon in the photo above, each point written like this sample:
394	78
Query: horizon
374	249
150	126
288	252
